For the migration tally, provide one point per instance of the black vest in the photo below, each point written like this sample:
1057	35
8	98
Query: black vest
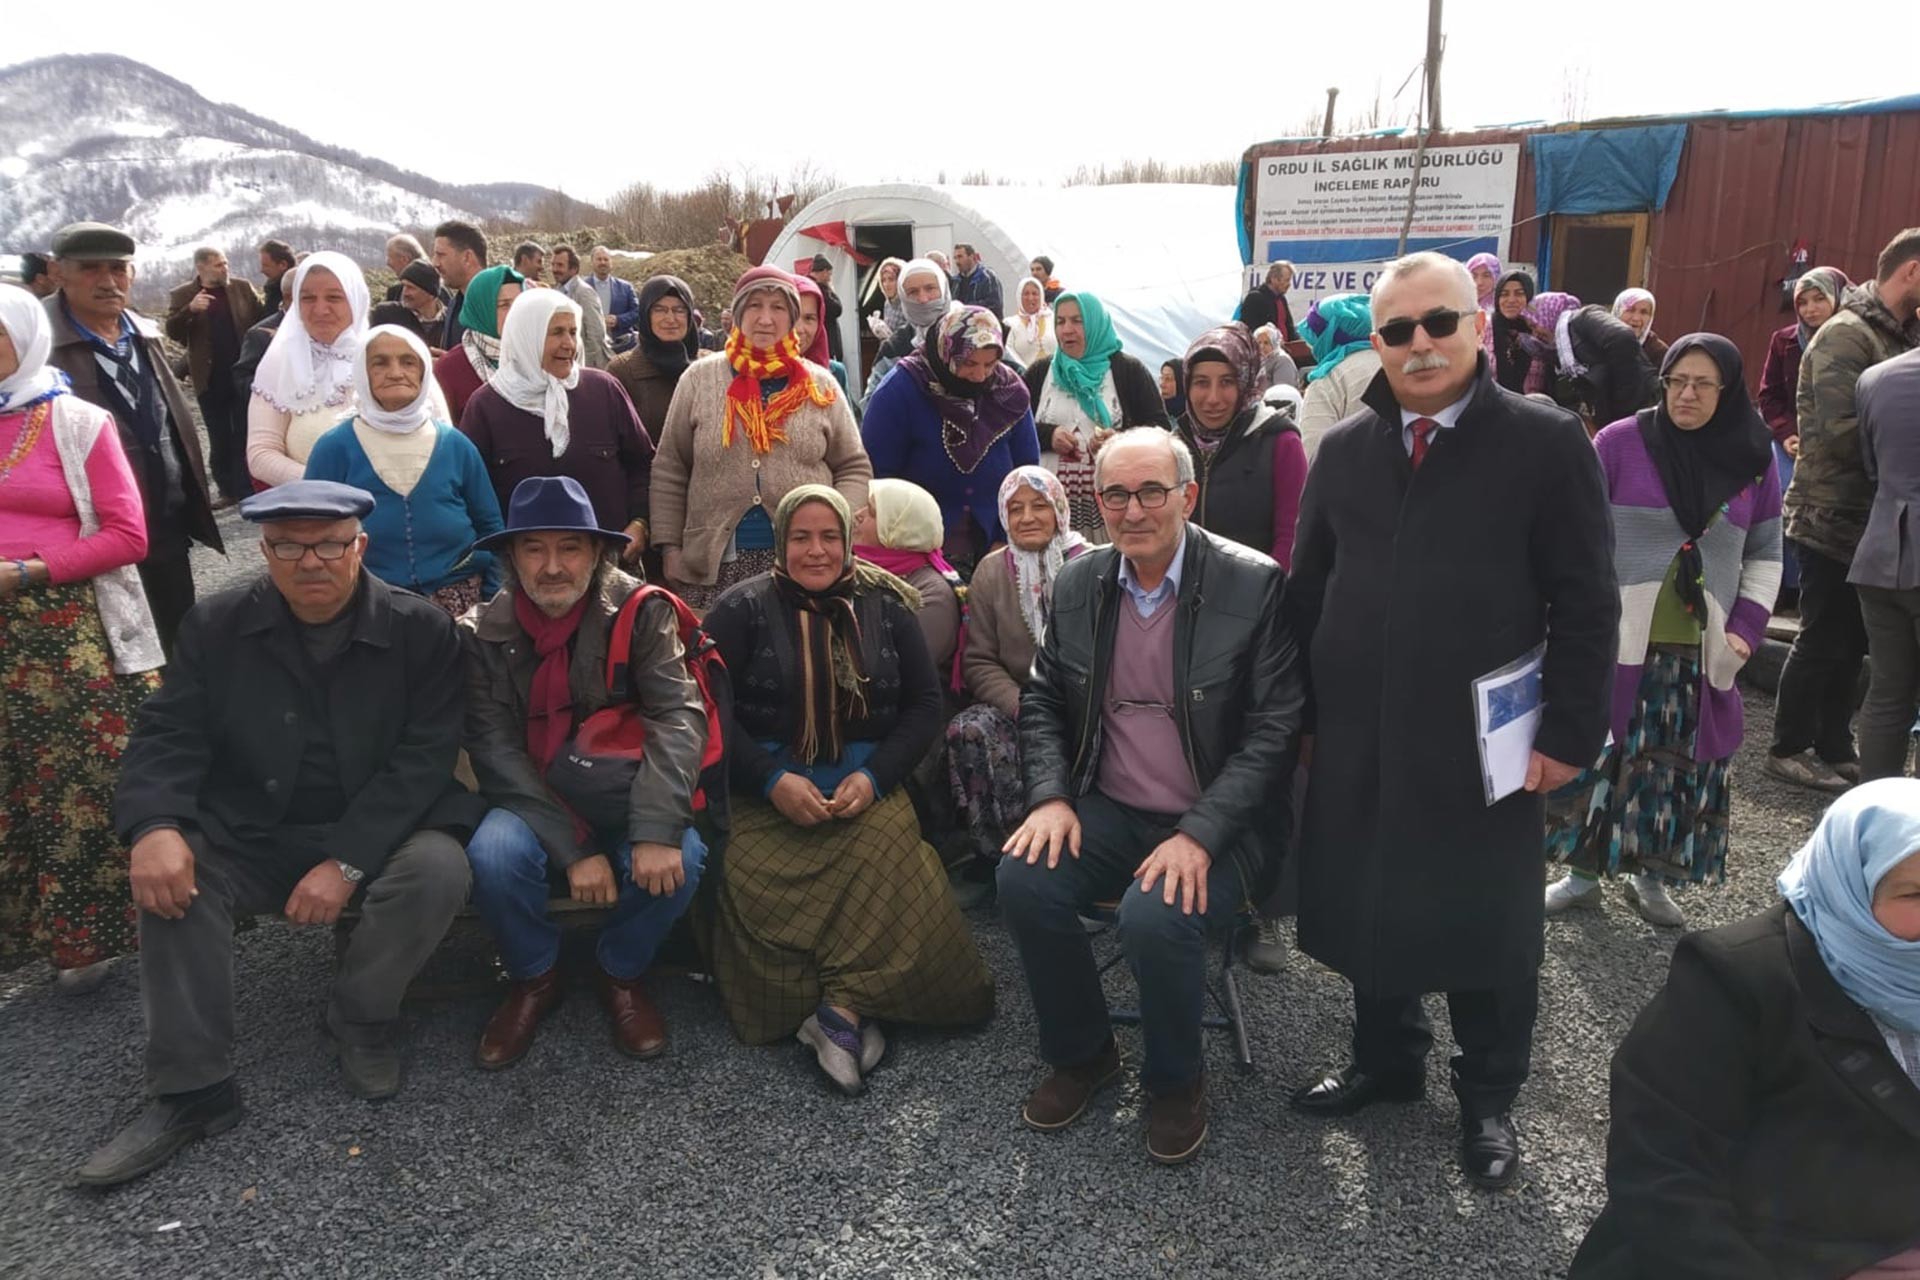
1236	480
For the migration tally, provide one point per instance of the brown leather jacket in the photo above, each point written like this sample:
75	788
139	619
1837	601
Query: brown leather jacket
500	666
195	332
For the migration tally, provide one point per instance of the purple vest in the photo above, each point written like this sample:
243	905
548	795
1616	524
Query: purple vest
1142	763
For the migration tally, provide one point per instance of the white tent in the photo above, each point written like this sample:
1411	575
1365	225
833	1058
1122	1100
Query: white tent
1163	257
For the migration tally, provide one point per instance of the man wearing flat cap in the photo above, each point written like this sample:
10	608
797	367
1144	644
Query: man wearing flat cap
115	359
536	667
299	754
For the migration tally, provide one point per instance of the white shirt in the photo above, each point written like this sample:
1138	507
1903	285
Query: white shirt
1445	420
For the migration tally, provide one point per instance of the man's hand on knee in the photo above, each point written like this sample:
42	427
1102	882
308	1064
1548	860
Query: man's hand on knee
1181	865
658	868
590	880
161	874
1048	829
320	895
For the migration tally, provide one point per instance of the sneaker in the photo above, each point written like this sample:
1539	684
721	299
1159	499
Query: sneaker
1572	891
1805	770
1649	897
1265	948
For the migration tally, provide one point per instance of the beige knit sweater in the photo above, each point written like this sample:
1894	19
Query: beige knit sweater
700	489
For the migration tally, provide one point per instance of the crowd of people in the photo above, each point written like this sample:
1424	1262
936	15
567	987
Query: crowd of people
567	594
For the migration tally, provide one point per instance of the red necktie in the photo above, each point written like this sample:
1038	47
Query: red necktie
1423	429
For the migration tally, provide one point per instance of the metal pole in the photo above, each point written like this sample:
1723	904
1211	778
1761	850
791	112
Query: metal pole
1434	45
1326	128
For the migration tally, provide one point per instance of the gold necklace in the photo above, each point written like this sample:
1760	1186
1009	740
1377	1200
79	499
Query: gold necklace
30	436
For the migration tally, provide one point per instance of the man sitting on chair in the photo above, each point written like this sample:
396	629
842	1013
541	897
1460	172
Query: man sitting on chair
1155	733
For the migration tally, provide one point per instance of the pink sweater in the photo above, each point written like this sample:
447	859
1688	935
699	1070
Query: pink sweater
37	516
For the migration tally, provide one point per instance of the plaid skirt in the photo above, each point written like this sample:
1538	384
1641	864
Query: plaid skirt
1649	806
856	914
64	720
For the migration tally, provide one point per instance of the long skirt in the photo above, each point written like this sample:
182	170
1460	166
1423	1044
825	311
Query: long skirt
856	914
1649	806
456	598
746	564
64	720
983	770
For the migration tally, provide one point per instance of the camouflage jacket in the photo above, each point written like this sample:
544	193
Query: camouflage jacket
1826	506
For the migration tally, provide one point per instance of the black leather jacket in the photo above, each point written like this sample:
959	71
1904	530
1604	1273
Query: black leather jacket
1239	719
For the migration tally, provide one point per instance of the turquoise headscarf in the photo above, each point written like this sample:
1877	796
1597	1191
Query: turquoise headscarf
479	310
1830	885
1086	375
1336	327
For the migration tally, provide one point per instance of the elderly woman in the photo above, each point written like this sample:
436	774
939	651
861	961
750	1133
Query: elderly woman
483	314
891	312
1084	392
1030	328
1696	517
78	653
900	530
1816	296
1248	456
1634	308
1338	330
1008	603
1599	369
668	344
954	420
742	432
830	913
305	381
1508	337
1277	368
1766	1104
543	414
925	294
432	497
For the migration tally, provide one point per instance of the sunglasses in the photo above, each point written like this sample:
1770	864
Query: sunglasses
1438	324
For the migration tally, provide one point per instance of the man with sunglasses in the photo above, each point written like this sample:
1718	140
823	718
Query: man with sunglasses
299	755
1160	718
1447	528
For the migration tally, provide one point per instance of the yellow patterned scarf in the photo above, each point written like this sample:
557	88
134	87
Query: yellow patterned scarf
759	418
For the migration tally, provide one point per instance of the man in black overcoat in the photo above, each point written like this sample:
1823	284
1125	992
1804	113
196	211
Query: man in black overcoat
1447	528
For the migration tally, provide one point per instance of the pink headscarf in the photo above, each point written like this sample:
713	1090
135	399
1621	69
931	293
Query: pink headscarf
1490	263
1034	571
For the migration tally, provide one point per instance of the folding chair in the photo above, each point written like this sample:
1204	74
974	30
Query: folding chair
1223	989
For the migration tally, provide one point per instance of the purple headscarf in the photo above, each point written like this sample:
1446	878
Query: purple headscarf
973	415
1233	345
1489	262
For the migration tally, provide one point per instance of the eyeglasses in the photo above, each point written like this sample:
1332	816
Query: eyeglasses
1152	497
1700	386
290	551
665	309
1438	324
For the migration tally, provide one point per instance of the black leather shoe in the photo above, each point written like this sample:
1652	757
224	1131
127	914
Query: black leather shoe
1489	1149
1343	1092
370	1071
157	1134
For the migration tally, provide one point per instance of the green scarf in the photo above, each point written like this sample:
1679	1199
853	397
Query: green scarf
480	308
1085	375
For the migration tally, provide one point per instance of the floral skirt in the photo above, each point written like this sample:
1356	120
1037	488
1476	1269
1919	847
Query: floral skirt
1083	502
64	720
983	770
1649	806
456	598
744	565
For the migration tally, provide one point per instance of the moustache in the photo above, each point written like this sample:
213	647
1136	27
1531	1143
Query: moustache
1422	363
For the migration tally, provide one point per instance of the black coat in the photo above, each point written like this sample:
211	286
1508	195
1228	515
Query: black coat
1137	389
1405	589
1239	720
1236	481
1620	380
218	748
1760	1126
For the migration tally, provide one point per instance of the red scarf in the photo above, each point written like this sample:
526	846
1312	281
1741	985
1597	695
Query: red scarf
550	699
758	418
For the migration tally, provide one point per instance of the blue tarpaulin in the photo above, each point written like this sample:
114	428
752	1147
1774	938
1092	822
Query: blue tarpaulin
1605	170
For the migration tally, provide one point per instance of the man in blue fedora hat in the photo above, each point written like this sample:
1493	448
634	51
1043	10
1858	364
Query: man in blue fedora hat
300	753
536	663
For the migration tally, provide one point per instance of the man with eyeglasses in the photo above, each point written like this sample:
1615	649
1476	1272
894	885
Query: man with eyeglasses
1155	733
299	755
1447	528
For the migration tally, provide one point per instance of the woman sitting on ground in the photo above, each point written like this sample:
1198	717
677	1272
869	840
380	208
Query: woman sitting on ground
830	913
1766	1104
899	529
483	312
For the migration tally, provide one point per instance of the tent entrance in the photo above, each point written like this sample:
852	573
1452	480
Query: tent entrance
878	241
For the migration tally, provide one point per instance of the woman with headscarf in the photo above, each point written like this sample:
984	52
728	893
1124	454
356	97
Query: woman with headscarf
1337	329
925	295
1485	270
810	331
1696	516
1816	296
78	653
543	413
1173	388
1766	1104
830	914
1030	328
1634	308
954	420
1248	456
669	342
1508	337
483	316
900	530
888	309
1008	603
740	435
432	497
1599	369
304	384
1084	392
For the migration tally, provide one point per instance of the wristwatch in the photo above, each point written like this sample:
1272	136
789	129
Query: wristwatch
350	873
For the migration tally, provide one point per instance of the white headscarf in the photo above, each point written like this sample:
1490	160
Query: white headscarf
520	377
25	320
299	373
1034	571
408	419
924	315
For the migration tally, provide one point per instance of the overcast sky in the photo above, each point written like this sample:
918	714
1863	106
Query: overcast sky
873	90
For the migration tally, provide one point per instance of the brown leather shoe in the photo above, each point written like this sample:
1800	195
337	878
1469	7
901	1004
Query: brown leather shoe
638	1029
1059	1099
509	1032
1177	1124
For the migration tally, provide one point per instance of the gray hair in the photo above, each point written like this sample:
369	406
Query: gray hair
409	244
204	254
1277	266
1419	264
1182	456
1269	331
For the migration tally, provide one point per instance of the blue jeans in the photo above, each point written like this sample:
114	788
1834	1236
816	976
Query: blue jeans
510	892
1165	949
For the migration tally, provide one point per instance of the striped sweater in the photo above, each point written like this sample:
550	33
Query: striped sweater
1741	554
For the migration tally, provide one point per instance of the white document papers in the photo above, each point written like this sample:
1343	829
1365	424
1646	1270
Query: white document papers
1507	706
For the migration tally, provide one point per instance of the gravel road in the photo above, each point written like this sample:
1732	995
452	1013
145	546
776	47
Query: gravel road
721	1160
